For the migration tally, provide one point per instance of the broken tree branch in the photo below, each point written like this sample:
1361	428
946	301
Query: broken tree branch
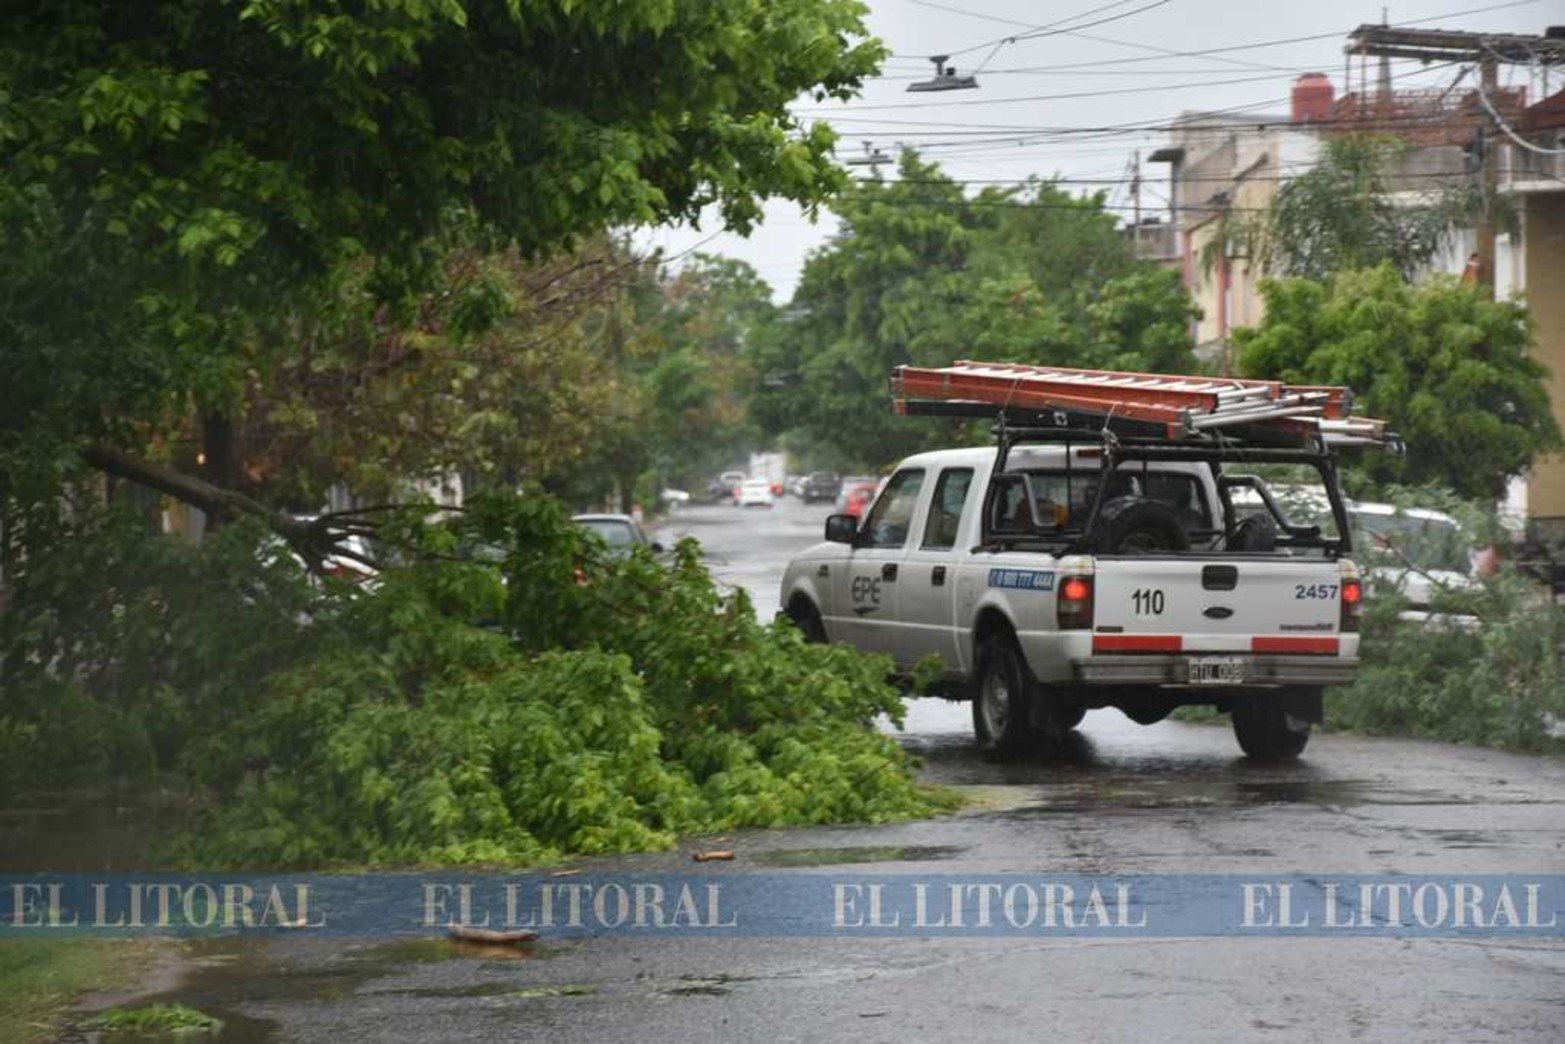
314	540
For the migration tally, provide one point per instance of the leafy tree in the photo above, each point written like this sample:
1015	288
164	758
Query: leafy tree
710	311
922	274
1340	214
1448	368
497	375
182	181
670	345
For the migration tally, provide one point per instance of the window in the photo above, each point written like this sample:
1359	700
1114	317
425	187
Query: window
1061	501
1058	503
1008	511
945	510
892	515
1404	540
613	532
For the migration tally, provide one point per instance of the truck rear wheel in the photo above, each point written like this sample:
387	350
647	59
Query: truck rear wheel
1266	731
1002	698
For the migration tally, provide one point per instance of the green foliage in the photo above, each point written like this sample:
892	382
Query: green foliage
1340	215
496	374
183	185
675	342
922	274
120	650
1496	680
154	1019
511	693
1447	367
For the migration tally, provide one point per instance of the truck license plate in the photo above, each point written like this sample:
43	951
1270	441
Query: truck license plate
1217	670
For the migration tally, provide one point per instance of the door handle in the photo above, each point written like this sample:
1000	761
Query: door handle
937	576
888	571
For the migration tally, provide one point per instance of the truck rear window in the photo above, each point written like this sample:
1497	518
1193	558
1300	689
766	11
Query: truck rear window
1062	500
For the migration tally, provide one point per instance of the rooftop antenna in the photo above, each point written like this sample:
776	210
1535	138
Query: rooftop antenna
945	78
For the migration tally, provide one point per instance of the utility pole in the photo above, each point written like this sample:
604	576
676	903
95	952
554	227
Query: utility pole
1135	186
1489	179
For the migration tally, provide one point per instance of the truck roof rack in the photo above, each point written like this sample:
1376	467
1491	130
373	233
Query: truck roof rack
1180	408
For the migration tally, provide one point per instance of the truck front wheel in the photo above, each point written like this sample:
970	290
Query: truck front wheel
1002	698
807	619
1266	731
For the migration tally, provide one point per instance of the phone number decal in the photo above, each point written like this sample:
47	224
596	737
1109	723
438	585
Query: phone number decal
1021	579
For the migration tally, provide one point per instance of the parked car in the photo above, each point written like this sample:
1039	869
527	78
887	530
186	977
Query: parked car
620	532
754	493
855	499
847	484
820	485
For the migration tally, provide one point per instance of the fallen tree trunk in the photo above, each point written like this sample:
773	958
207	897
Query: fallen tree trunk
312	539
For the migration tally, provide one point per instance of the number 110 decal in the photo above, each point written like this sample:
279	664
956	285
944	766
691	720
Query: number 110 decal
1148	601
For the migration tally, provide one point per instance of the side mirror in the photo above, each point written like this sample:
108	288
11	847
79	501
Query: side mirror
841	529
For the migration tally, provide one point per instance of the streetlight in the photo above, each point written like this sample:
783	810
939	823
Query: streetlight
945	78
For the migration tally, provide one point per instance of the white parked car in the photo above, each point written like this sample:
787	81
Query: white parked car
756	492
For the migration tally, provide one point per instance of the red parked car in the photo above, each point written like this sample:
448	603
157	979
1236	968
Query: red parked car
857	498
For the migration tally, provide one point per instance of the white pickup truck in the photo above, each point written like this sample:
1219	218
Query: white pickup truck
1054	577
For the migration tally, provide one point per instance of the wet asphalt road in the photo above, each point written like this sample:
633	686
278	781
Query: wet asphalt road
1121	799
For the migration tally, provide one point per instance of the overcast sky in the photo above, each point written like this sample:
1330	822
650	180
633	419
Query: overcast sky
1015	123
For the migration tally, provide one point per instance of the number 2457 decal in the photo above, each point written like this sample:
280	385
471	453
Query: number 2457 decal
1314	590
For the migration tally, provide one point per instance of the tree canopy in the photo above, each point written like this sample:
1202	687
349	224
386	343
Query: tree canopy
921	273
185	182
1340	214
1447	367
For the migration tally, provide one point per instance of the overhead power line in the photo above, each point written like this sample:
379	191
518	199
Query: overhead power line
1035	32
1042	181
966	127
1072	95
1082	203
1259	44
1511	133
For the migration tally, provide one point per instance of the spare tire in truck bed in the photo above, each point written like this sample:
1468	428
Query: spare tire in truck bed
1138	526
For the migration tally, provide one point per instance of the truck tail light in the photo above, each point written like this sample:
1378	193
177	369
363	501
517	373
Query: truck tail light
1074	607
1352	604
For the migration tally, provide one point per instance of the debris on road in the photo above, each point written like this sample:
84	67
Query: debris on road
714	854
490	937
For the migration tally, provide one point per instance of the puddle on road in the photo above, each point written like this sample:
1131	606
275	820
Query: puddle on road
1109	791
801	857
1081	775
489	989
227	974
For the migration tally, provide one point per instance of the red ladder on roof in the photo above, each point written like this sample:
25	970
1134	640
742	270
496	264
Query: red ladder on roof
1185	405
